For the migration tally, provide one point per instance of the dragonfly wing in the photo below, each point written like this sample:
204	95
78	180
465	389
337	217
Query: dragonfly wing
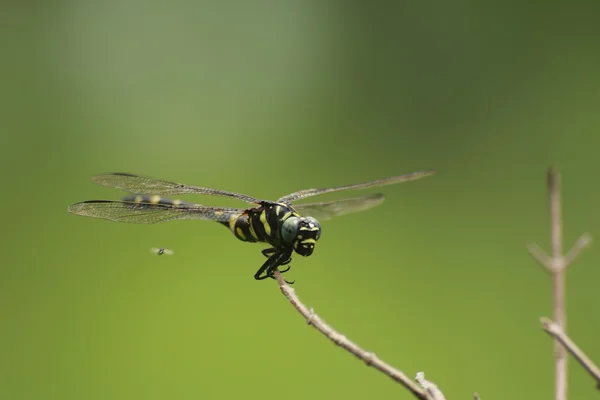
149	213
145	185
376	183
330	209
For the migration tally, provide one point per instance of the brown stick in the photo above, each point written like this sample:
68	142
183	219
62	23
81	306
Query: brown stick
431	388
554	330
369	358
558	281
557	265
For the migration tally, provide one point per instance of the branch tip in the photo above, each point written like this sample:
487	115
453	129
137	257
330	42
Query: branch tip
540	256
434	393
546	323
584	241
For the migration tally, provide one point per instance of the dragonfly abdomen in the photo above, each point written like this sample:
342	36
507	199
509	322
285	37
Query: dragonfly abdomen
242	229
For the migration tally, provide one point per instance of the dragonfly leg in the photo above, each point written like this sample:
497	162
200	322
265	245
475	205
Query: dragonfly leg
269	252
286	262
281	271
272	264
285	280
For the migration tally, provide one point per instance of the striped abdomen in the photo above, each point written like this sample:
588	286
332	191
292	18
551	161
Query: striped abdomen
261	224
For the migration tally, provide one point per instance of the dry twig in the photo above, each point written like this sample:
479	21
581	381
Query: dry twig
369	358
556	266
431	388
554	330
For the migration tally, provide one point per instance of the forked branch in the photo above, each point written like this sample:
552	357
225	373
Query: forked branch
557	265
430	393
554	330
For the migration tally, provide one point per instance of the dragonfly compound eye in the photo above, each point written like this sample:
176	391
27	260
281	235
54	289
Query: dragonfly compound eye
289	229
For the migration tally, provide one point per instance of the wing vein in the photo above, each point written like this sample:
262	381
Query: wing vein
364	185
145	185
150	213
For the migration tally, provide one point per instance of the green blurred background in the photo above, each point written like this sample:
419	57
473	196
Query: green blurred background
266	98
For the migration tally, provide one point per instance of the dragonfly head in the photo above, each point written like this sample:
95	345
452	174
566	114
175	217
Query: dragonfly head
301	233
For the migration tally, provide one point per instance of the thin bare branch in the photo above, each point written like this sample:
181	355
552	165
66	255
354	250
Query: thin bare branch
554	330
557	265
540	256
555	213
562	263
558	281
431	388
581	243
369	359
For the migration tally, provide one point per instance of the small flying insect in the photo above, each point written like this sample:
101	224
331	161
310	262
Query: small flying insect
286	227
161	251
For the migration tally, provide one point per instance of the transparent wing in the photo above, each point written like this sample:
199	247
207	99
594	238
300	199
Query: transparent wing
148	213
144	185
379	182
330	209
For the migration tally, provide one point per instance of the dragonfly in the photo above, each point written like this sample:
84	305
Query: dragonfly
160	251
286	227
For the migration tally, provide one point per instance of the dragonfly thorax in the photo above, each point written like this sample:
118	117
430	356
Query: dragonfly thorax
301	233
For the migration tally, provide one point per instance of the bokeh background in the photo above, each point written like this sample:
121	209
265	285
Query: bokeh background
266	98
